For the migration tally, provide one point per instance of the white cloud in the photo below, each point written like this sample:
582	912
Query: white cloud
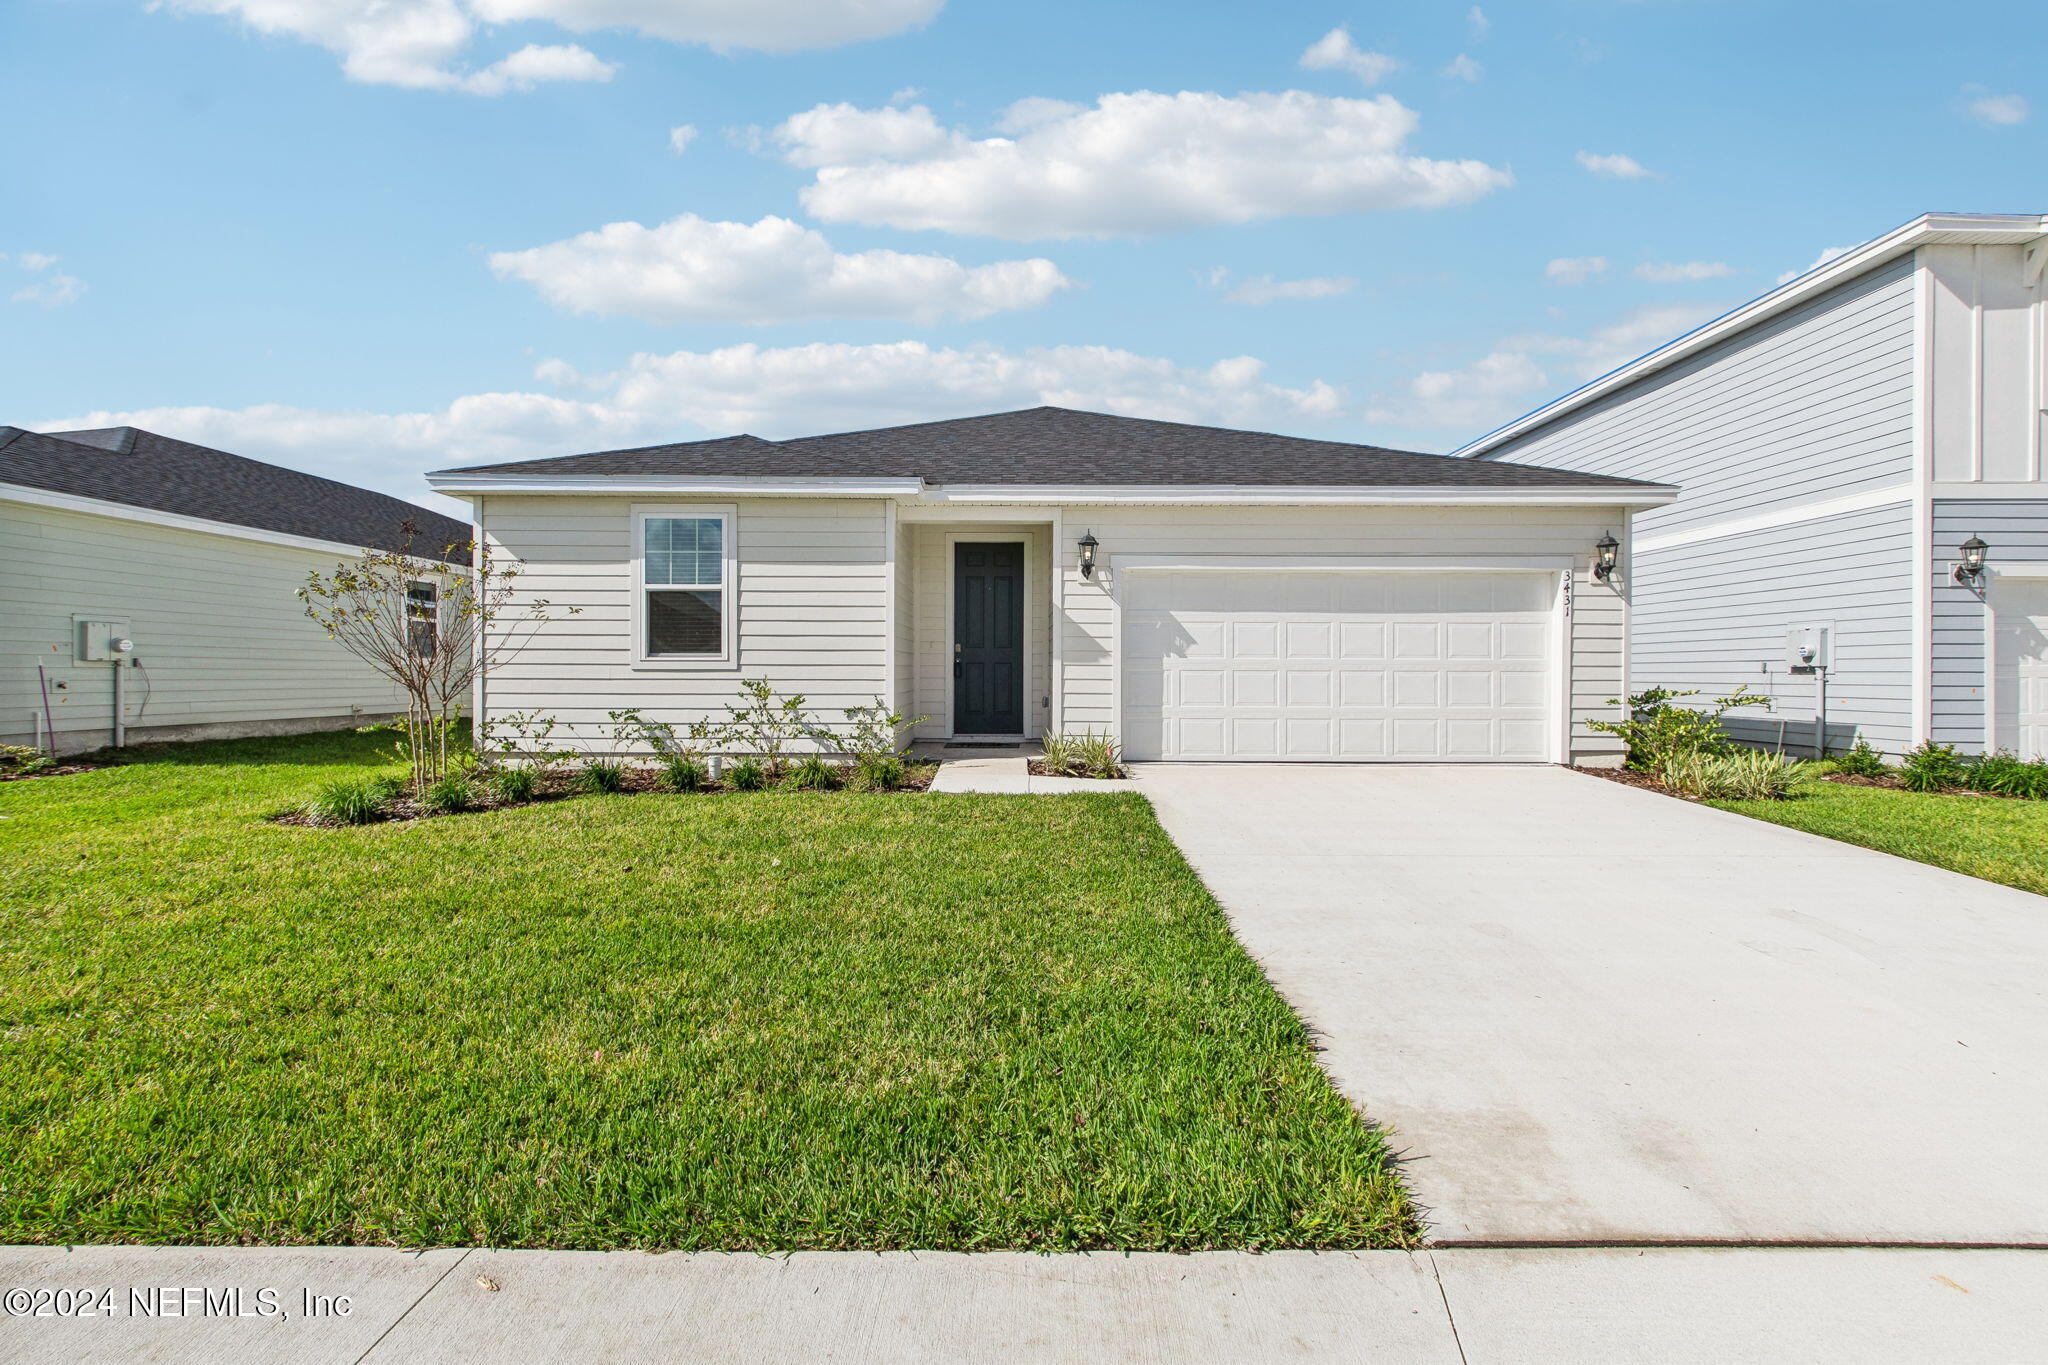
1263	289
1614	166
53	290
693	270
1994	111
1683	272
1476	20
773	392
1463	68
726	25
1522	371
423	44
1575	269
681	136
1826	255
1132	165
1335	51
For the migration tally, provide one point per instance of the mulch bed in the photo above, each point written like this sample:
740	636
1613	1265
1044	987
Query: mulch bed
1631	777
1039	768
60	770
918	777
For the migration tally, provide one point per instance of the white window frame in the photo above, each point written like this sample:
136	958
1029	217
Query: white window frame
728	657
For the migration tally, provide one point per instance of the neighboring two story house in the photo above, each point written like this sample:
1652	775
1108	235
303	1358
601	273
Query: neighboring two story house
1849	446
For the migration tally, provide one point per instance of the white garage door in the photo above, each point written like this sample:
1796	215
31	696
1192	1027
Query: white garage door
1342	666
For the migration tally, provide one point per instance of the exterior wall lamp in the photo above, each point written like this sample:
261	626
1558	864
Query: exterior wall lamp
1088	546
1972	566
1605	553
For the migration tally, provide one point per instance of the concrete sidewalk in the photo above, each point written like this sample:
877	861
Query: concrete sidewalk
349	1305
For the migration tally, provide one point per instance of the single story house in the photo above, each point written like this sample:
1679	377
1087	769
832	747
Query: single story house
1864	531
192	557
1202	594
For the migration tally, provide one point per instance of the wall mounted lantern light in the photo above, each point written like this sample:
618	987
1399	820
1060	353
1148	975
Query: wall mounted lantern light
1972	566
1088	544
1605	553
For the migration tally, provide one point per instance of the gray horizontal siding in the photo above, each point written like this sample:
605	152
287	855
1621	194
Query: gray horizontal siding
1811	405
2017	532
1713	615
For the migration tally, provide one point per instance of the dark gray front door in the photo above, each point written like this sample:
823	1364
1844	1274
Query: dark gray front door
988	639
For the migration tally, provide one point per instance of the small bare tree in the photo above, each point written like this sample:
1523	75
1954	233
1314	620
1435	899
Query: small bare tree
431	626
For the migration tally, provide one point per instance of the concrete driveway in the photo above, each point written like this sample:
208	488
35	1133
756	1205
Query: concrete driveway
1592	1013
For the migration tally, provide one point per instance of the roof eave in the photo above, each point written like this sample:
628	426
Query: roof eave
1928	229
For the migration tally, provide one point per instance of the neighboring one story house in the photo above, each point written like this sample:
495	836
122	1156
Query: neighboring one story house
1841	440
193	557
1202	594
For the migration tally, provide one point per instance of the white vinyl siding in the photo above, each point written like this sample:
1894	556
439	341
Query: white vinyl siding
1089	642
1713	615
1809	406
810	604
225	644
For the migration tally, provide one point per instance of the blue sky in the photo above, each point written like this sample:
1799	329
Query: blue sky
350	236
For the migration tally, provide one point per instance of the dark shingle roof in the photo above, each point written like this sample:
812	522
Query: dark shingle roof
142	469
1060	446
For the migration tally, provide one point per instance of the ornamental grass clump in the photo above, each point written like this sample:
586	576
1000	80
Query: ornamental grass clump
1086	754
446	795
683	773
1745	775
514	786
746	774
2007	774
600	776
354	800
812	773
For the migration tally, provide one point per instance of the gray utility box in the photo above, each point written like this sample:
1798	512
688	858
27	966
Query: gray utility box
1809	647
95	638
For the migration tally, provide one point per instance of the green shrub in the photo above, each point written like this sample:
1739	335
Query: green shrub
18	760
879	772
1933	767
2007	774
1861	761
514	784
813	773
683	773
1086	754
746	774
354	800
1744	775
1657	730
766	725
602	775
447	794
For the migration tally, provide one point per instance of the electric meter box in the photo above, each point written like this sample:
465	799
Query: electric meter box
1809	647
94	643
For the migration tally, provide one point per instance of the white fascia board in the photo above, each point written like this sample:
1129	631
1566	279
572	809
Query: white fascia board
1988	229
635	485
121	511
1344	563
1457	495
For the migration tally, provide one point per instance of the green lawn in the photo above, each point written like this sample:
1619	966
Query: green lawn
1995	838
775	1020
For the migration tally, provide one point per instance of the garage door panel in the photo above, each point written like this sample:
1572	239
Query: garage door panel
1338	666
